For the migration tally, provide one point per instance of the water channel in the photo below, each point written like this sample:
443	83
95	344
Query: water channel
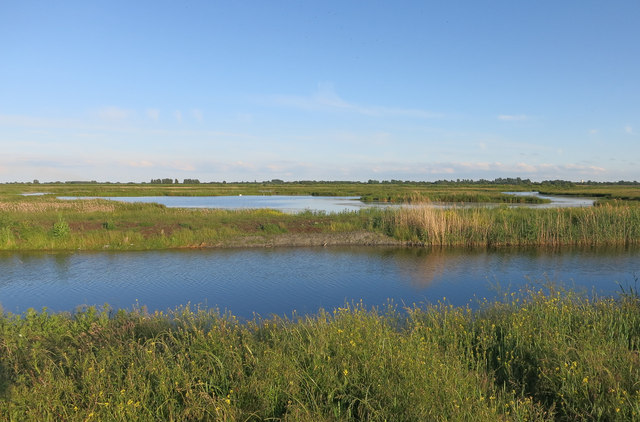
281	280
299	203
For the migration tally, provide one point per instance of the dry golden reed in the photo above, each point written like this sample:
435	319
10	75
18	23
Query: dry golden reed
515	226
93	205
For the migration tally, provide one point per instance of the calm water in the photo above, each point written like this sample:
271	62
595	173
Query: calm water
284	203
328	204
281	280
556	201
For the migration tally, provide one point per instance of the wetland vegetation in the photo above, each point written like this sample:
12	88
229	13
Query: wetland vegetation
544	354
540	354
42	222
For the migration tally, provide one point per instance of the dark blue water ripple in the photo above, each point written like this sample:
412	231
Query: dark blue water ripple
281	280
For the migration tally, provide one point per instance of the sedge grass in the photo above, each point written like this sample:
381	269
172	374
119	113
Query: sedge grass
536	355
503	226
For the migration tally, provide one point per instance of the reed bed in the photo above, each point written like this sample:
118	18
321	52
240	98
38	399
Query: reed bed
45	224
505	226
453	196
56	205
540	354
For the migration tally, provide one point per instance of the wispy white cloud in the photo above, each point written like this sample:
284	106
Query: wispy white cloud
114	113
145	166
63	131
178	115
153	114
480	169
142	164
326	99
628	129
593	131
527	168
182	165
244	117
35	121
197	114
513	117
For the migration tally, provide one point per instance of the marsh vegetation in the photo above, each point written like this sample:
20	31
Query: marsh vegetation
541	354
44	223
545	354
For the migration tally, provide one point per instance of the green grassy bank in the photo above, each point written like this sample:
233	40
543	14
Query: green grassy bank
533	356
42	223
101	224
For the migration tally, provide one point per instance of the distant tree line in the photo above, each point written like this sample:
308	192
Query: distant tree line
166	181
169	181
496	181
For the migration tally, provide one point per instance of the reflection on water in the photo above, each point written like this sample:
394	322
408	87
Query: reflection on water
428	267
556	201
328	204
281	280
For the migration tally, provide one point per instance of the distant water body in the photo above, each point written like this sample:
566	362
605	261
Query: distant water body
557	201
293	204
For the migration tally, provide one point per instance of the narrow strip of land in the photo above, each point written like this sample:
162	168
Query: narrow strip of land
42	222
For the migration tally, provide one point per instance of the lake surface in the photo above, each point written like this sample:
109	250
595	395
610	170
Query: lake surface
281	280
556	200
328	204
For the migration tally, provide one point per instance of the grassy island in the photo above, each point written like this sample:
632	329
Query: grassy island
43	222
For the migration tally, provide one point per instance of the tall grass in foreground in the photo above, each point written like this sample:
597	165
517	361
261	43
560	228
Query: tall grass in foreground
514	226
532	356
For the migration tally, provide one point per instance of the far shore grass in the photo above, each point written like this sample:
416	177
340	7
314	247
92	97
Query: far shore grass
46	223
538	355
378	191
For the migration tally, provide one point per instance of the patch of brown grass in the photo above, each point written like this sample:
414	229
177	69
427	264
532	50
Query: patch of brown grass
45	206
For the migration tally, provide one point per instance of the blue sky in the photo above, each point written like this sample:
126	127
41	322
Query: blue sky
325	90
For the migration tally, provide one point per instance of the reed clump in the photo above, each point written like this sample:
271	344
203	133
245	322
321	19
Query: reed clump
452	196
541	354
505	226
